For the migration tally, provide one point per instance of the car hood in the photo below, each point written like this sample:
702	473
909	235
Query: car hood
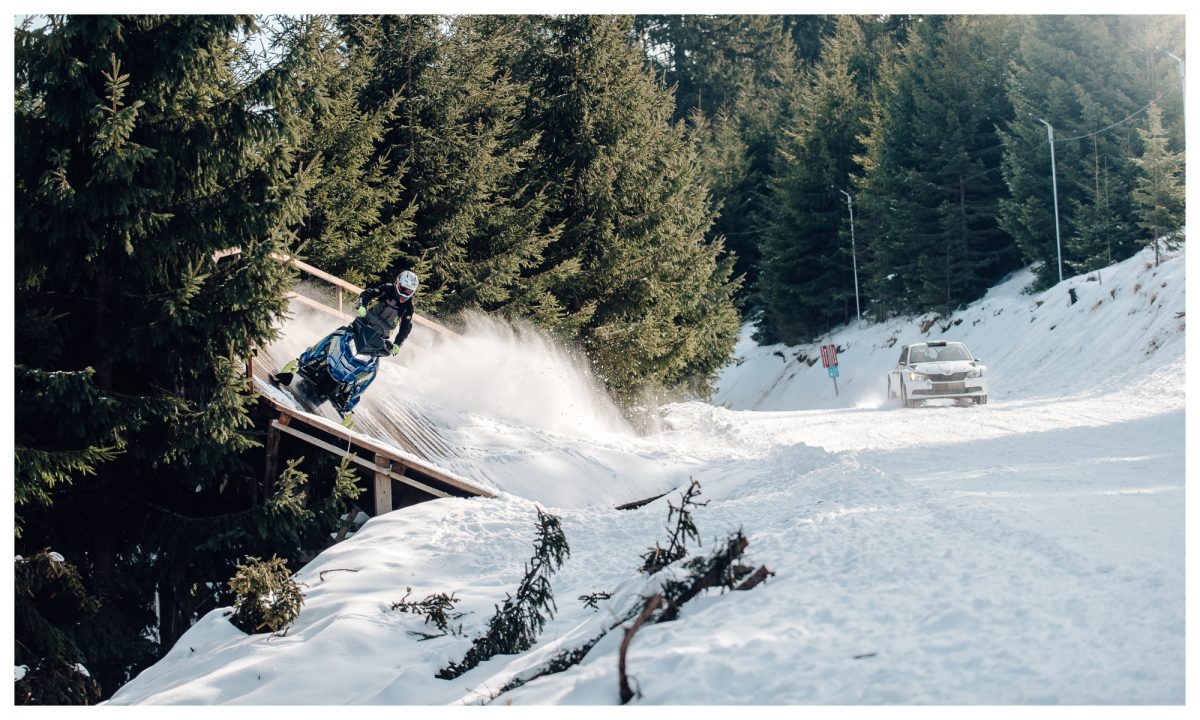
944	367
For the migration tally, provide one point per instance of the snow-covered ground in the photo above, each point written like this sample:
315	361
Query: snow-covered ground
1025	552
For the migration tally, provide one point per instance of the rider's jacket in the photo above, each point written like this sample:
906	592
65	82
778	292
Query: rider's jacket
385	310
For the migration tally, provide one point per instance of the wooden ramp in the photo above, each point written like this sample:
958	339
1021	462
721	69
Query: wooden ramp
400	478
400	449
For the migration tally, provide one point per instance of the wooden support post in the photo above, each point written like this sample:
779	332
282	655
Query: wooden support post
271	464
383	486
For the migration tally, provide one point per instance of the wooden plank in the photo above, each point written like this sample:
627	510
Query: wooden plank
318	306
377	447
317	272
422	320
361	461
337	281
383	488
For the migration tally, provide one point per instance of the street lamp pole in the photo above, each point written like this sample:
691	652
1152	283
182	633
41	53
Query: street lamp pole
1182	85
853	253
1054	180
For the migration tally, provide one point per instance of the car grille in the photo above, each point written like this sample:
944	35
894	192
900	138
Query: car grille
951	377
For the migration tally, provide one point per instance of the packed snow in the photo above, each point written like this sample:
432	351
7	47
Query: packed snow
1029	551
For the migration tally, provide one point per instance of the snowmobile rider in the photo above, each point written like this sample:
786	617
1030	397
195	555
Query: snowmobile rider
388	305
383	309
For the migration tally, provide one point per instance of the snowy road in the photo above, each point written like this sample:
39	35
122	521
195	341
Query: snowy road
1020	552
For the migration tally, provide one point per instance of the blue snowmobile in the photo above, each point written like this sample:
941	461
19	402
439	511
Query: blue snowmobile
341	366
338	369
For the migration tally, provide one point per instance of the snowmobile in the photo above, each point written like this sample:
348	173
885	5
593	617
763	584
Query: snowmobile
337	369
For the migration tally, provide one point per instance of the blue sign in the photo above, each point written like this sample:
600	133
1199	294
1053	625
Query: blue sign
833	371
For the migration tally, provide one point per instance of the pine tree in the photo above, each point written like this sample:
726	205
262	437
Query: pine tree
931	185
1159	195
806	282
516	625
1085	75
348	229
145	145
742	67
652	303
477	222
959	105
51	604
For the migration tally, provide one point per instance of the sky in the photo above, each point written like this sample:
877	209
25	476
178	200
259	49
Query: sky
1029	551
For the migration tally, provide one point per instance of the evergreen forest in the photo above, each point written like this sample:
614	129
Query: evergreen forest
638	187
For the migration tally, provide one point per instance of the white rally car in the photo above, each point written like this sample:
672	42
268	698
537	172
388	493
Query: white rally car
937	369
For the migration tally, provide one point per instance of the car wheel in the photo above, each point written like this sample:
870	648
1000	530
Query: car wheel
890	395
981	399
904	396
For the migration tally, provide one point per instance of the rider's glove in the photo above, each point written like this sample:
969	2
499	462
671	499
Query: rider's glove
395	349
362	311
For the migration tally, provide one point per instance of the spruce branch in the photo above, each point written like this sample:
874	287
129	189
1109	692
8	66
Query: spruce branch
515	626
590	601
437	609
657	558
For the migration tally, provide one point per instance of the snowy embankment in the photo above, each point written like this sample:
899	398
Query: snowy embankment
1028	551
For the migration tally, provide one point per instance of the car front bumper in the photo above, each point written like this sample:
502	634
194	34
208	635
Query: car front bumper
970	387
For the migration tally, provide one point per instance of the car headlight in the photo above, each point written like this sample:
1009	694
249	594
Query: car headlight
975	372
916	376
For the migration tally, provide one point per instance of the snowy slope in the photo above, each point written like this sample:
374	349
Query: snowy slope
1029	551
1035	346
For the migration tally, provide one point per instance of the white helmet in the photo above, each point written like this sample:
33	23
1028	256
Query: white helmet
406	284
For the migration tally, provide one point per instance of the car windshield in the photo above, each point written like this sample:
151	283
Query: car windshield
929	353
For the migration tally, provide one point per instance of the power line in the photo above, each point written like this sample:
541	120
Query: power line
1119	122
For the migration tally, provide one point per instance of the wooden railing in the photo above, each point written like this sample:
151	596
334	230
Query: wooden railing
340	284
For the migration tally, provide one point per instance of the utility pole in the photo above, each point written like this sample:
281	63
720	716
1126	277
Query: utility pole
1054	180
853	258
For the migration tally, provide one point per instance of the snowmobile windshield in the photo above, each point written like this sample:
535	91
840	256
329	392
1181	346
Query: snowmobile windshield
361	356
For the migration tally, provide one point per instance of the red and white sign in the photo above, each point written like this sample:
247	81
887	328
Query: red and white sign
829	355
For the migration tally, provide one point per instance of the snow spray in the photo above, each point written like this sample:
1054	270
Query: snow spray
504	370
511	371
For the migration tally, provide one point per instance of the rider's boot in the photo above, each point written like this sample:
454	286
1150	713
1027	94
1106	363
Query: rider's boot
285	375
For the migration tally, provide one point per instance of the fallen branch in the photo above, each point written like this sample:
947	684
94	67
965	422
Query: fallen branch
322	576
640	503
753	581
718	570
651	604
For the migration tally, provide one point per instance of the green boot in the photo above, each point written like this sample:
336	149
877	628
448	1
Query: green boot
284	376
348	421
